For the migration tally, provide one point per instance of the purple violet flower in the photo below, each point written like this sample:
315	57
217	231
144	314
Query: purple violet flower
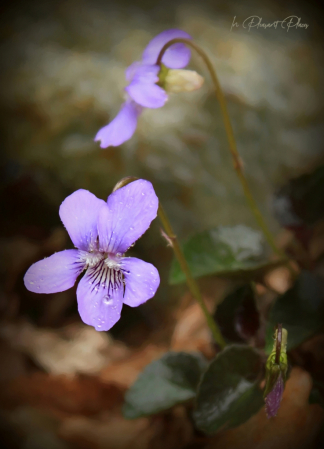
102	232
142	90
273	399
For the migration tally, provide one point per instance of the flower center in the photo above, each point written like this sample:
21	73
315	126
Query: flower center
103	271
91	259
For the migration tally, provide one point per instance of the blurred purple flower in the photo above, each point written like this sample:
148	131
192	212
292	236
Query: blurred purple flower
102	232
142	90
273	399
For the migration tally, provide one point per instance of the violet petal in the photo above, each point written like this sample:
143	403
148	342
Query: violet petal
121	128
96	307
141	281
55	273
131	70
143	89
144	73
176	57
79	214
147	95
274	398
131	210
104	231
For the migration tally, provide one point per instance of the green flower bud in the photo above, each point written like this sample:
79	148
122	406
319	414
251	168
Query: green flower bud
276	371
179	80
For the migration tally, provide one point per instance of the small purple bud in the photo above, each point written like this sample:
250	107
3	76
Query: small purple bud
273	399
145	89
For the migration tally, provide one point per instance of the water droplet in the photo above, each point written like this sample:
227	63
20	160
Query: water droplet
143	193
107	300
99	326
131	229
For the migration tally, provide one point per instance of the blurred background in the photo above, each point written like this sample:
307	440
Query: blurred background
62	78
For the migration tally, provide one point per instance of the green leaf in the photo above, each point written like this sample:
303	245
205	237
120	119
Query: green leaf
237	315
301	200
224	251
300	310
164	383
316	394
228	394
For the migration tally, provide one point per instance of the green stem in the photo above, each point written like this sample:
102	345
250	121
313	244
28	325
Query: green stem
192	284
231	139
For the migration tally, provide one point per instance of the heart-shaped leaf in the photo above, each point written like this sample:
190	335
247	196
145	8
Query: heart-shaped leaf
301	200
300	310
299	204
228	393
237	315
164	383
225	251
316	395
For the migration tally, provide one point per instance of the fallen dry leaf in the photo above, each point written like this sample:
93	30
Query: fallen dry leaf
28	427
173	430
125	372
169	431
81	395
71	350
13	363
279	279
191	332
108	432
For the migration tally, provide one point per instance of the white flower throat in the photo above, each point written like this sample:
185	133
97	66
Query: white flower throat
104	271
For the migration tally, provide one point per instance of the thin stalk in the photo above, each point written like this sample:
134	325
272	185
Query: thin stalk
278	343
237	163
192	284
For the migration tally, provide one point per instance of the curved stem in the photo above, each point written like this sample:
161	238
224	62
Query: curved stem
192	284
278	343
231	139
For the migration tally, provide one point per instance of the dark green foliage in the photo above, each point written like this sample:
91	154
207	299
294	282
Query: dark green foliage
229	392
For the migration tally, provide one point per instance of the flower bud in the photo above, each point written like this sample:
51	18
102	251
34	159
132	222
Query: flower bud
178	80
276	370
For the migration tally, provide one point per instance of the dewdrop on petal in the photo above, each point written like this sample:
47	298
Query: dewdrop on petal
179	80
102	232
